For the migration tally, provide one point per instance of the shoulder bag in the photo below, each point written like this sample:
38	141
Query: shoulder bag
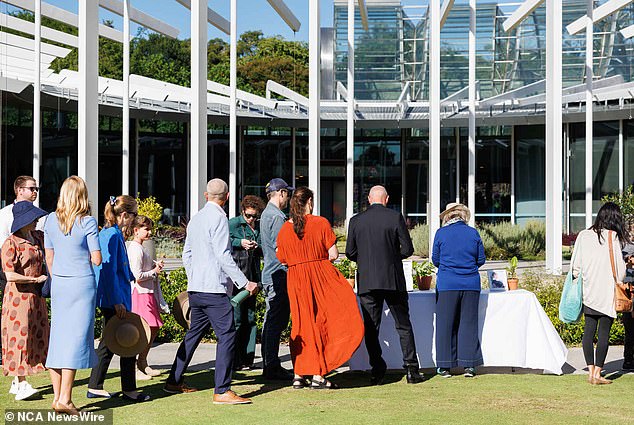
622	291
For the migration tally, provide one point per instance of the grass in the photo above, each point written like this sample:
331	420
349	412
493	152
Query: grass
485	399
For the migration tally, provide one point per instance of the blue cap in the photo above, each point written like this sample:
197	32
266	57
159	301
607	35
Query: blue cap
25	213
277	184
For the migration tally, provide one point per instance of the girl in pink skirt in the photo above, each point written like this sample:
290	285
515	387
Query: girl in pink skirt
147	299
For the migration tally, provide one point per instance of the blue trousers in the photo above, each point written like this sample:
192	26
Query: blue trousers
215	310
276	317
457	342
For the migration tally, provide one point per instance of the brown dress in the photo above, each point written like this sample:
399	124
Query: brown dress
326	323
25	327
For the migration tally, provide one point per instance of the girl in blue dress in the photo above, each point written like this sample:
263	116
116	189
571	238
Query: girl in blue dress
114	295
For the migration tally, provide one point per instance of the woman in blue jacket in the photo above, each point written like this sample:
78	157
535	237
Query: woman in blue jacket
458	253
114	295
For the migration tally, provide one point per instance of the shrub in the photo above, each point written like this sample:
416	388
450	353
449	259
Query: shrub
340	233
167	247
420	239
346	267
505	240
150	208
625	201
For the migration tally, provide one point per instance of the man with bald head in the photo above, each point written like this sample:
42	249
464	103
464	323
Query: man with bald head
211	274
378	241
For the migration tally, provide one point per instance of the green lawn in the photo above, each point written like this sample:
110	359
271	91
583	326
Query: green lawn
486	399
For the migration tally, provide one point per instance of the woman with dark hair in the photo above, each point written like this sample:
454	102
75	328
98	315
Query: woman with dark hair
326	323
247	253
591	260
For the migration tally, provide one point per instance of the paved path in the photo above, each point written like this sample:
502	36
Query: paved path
162	355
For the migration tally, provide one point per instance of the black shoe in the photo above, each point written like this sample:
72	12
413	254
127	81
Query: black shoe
377	376
628	365
278	374
413	377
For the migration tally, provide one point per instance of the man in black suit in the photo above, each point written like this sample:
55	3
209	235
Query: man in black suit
378	241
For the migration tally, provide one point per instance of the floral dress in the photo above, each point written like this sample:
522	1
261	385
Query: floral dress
25	327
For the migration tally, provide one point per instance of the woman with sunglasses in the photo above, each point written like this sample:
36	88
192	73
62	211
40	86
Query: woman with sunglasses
245	241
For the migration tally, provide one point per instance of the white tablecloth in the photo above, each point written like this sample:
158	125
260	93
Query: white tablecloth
514	332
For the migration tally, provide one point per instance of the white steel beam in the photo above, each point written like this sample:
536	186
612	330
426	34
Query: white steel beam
286	14
444	12
37	96
125	137
212	17
598	14
198	149
589	110
471	179
88	106
363	11
314	128
66	17
434	122
28	44
520	14
628	32
141	18
241	95
233	121
350	116
554	151
27	27
277	88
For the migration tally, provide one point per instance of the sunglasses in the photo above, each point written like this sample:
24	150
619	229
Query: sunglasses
251	216
31	188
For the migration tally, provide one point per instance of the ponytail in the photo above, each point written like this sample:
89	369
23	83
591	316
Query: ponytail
300	199
117	206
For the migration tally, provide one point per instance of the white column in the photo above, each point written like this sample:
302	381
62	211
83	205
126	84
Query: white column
88	106
125	139
472	106
457	131
553	136
233	120
513	209
350	123
37	97
589	109
434	122
314	144
621	157
198	148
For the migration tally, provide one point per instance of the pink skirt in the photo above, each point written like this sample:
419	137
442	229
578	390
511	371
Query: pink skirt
146	306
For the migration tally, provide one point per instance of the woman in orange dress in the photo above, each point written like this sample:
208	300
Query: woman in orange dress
326	324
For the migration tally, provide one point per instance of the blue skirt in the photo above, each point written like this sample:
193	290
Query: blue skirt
72	340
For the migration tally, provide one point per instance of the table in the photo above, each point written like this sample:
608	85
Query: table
514	331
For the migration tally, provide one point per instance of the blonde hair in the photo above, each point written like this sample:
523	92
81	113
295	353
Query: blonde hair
117	206
72	203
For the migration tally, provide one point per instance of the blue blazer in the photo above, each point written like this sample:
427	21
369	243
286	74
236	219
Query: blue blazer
114	274
458	253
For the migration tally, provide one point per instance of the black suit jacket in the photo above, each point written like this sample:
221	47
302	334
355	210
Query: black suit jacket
378	241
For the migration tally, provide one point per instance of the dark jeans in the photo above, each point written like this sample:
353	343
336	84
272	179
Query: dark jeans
628	343
457	342
128	364
604	323
208	310
246	331
372	308
276	317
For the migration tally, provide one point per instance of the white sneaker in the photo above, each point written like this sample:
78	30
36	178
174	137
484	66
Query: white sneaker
25	391
14	386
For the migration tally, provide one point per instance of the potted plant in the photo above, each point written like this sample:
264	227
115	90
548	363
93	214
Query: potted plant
422	275
348	269
512	279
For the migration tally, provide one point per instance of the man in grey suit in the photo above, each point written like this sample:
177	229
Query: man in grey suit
378	241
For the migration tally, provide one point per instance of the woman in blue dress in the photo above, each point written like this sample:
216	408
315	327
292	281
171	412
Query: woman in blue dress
114	293
72	246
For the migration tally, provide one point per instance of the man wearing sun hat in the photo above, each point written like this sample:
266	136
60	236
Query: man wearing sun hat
274	280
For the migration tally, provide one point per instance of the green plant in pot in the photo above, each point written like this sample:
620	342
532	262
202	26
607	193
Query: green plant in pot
512	275
423	274
348	269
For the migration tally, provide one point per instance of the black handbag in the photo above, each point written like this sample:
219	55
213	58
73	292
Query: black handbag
46	288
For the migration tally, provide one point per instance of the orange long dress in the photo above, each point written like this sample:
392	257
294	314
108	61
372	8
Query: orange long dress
326	323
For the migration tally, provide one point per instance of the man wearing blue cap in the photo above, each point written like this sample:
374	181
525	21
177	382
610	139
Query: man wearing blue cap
274	280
